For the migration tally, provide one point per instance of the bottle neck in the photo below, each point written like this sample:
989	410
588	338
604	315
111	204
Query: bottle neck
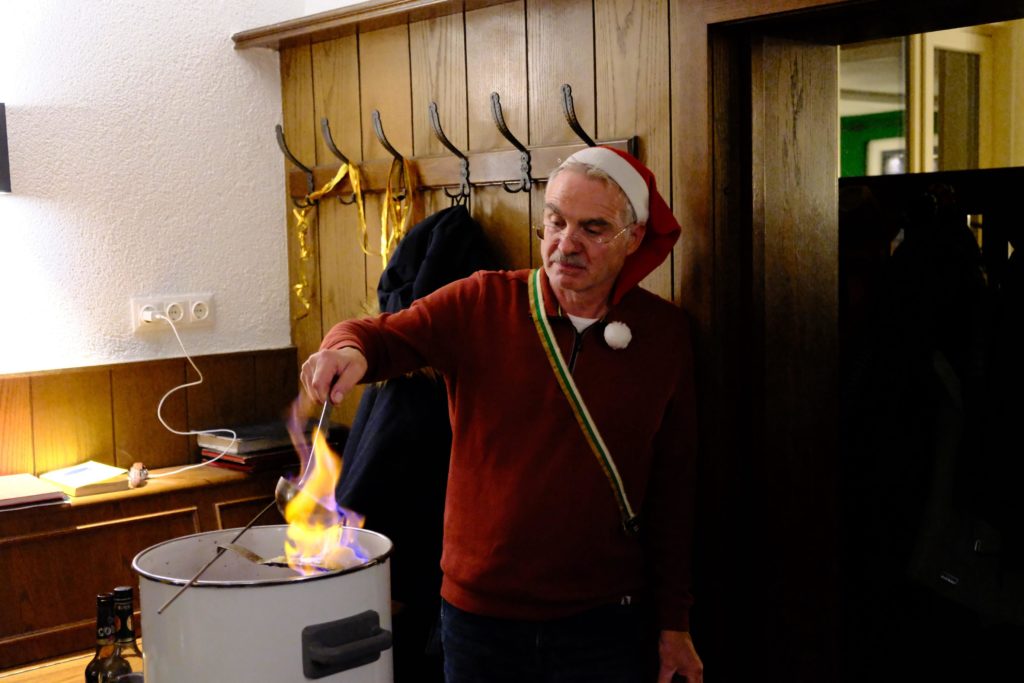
123	620
104	624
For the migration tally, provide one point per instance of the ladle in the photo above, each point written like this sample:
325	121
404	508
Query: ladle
284	492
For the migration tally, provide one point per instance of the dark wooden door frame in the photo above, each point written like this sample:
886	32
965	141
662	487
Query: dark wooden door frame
717	193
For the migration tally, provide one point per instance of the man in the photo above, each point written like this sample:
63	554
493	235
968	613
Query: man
547	574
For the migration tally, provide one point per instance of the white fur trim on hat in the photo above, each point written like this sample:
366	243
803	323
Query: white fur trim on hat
622	172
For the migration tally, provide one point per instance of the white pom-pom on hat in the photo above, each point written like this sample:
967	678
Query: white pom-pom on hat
617	335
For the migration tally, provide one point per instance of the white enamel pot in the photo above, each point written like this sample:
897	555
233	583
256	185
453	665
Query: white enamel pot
243	621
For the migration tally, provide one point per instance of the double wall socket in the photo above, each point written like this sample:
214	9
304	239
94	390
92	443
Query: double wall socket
186	310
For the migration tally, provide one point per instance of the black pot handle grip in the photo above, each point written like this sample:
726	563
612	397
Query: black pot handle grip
343	644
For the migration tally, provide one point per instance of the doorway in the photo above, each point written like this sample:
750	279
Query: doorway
777	208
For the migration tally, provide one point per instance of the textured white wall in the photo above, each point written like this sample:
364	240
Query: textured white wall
143	162
317	6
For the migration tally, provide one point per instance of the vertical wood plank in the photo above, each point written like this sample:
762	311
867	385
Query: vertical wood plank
496	58
276	383
342	262
138	435
798	170
299	130
343	265
72	419
560	37
438	62
15	425
384	85
691	169
632	85
227	396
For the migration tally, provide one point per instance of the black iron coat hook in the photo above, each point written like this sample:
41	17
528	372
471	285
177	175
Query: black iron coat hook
462	196
305	169
378	129
570	116
325	130
525	183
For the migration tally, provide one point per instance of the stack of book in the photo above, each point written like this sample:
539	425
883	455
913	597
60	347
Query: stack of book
26	490
257	448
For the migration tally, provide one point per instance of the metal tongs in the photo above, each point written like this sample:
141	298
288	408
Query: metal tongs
283	493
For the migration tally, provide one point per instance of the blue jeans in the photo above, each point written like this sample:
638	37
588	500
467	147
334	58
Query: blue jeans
613	644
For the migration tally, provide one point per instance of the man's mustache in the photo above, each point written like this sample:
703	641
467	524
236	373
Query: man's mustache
568	259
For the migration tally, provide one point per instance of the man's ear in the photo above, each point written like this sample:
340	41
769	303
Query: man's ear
635	237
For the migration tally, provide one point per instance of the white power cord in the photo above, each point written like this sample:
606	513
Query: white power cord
150	316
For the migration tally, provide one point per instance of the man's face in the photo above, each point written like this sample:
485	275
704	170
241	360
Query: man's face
584	244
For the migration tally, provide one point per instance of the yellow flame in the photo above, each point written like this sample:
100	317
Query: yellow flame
318	537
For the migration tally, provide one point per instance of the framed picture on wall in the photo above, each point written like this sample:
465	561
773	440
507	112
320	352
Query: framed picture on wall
887	156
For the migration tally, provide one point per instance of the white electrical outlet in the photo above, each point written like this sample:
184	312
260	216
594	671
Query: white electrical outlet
148	313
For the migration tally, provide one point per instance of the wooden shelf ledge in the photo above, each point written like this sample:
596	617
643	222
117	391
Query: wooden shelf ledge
358	18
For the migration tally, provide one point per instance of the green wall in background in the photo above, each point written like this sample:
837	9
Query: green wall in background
856	131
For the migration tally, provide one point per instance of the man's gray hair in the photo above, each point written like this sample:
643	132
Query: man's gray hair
628	215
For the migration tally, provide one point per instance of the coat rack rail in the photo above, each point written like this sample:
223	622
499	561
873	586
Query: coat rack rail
436	172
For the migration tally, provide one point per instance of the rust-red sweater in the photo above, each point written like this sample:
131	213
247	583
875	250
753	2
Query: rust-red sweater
532	530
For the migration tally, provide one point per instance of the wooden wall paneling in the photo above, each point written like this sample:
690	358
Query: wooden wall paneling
276	383
384	85
437	49
554	60
343	265
138	435
49	599
632	88
72	419
693	261
15	425
798	218
496	62
227	396
300	131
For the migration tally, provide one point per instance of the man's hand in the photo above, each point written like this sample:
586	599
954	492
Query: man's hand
332	373
678	656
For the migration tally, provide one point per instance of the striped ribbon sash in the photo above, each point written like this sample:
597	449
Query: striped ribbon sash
630	521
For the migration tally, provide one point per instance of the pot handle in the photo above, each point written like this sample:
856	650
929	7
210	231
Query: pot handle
344	644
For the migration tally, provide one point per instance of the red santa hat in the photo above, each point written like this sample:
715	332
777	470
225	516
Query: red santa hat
638	184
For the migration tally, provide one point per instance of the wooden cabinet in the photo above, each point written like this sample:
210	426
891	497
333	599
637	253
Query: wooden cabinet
55	559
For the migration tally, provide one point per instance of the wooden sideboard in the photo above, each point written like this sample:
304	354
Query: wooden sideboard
55	559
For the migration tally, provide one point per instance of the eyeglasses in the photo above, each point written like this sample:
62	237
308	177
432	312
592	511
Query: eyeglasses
588	233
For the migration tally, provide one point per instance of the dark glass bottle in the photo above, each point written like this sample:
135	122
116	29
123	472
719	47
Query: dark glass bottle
126	657
104	636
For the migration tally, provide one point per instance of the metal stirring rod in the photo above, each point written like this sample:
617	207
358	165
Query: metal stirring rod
221	549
